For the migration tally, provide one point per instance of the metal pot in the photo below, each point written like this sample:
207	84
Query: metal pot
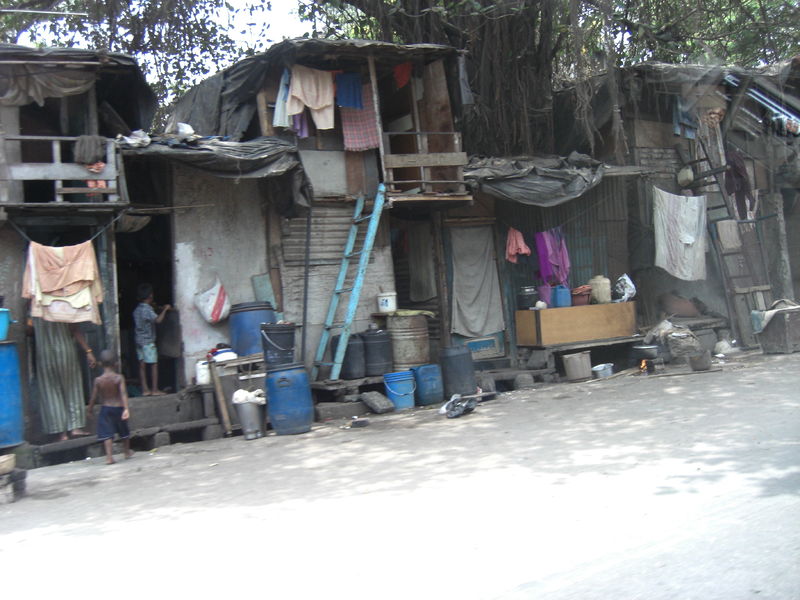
643	352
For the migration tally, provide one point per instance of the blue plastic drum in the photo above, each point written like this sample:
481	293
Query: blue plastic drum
11	424
244	323
289	404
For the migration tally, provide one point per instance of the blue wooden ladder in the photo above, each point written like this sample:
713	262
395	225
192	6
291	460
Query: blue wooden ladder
354	290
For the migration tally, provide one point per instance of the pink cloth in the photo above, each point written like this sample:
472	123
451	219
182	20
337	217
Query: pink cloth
515	244
359	126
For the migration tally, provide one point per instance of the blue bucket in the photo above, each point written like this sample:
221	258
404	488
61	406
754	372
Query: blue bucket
430	389
400	388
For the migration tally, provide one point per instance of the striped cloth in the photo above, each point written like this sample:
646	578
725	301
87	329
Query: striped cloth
59	374
359	127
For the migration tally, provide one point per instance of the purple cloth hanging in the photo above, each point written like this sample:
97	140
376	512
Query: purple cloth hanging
551	248
300	125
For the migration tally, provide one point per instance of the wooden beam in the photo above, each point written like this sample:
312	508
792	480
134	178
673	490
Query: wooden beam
437	159
373	78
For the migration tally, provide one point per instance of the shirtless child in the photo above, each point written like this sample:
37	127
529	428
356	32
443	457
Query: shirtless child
110	390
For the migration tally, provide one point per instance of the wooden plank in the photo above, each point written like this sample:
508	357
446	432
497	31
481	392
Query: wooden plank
85	190
355	173
373	79
264	114
553	326
437	159
52	172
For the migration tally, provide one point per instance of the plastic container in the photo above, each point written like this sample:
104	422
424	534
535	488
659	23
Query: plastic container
458	371
387	302
243	324
601	289
430	388
354	365
580	296
11	424
400	388
546	294
410	345
562	296
377	352
578	366
252	419
5	321
277	342
290	407
604	370
202	374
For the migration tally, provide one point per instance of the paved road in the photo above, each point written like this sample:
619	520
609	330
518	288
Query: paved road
652	488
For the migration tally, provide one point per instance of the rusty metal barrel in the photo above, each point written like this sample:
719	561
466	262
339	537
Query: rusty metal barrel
410	345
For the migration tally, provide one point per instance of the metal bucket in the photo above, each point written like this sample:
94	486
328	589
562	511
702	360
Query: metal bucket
410	346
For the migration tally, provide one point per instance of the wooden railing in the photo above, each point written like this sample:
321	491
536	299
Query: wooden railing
432	163
13	172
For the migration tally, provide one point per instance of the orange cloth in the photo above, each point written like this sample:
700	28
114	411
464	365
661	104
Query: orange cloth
64	270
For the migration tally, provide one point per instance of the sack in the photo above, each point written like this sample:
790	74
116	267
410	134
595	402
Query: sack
214	304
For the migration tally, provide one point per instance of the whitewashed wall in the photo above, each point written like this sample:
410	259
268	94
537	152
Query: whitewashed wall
226	239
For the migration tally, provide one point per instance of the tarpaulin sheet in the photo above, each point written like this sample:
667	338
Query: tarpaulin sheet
261	158
60	72
536	181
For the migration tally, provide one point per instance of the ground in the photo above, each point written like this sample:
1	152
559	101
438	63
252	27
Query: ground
682	487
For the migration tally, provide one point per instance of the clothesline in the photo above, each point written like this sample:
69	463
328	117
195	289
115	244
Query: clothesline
91	239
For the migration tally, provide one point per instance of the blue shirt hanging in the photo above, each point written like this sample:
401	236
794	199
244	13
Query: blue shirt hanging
348	90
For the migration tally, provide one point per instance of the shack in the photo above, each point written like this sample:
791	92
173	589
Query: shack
722	134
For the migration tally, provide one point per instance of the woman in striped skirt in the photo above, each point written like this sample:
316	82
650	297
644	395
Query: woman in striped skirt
58	371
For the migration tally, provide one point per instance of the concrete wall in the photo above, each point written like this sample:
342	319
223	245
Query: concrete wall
226	239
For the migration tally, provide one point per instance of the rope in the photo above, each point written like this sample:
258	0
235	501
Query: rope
91	239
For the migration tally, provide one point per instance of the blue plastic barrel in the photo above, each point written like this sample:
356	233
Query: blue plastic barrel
400	389
11	427
244	322
430	388
289	403
562	296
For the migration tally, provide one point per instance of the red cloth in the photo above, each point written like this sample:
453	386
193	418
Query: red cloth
515	244
402	74
359	126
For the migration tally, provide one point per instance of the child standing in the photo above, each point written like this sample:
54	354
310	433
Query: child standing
144	320
109	388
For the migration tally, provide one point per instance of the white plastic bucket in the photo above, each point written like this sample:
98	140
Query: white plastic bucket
387	302
578	366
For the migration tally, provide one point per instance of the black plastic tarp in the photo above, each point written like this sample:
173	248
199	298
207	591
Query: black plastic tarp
537	181
262	158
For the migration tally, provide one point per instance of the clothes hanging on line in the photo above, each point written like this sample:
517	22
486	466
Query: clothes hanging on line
680	234
360	127
551	249
348	90
63	283
515	244
300	125
280	118
312	88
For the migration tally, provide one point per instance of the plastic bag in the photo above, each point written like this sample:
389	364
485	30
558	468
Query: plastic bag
248	397
624	288
214	304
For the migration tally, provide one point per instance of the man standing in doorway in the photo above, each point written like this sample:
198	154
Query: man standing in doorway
144	320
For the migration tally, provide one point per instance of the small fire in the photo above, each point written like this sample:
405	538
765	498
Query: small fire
643	367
